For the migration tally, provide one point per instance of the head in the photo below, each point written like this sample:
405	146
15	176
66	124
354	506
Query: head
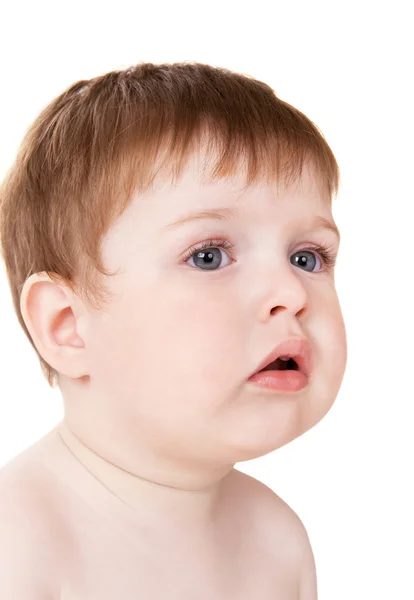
150	345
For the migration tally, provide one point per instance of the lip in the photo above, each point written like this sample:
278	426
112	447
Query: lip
298	348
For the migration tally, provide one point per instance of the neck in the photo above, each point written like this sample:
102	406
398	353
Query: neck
172	499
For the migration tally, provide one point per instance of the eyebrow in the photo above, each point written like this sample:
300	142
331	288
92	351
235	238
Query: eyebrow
226	214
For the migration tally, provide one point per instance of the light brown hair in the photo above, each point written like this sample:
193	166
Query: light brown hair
99	142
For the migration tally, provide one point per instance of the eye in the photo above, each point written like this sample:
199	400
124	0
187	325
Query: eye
208	256
308	258
305	260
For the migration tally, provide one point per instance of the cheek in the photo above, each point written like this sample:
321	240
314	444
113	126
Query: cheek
168	337
328	334
201	332
337	339
326	325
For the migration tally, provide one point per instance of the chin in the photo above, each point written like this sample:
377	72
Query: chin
254	448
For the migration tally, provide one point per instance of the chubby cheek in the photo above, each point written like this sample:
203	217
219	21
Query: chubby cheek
336	342
170	342
328	334
200	332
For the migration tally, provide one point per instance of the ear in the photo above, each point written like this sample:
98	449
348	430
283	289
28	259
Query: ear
52	314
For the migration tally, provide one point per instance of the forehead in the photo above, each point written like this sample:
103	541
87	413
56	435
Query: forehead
196	189
151	216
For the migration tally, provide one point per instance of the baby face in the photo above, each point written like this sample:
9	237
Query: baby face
200	303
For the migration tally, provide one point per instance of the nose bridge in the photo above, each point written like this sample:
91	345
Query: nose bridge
282	288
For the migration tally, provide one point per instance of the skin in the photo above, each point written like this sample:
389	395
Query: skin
157	403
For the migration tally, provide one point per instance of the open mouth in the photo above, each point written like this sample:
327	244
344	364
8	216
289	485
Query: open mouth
282	364
295	354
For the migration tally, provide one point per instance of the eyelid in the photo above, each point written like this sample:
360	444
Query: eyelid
222	242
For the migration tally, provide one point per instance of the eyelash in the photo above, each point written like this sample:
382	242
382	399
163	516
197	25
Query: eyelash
325	251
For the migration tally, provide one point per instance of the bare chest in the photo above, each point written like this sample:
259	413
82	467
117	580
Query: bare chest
110	568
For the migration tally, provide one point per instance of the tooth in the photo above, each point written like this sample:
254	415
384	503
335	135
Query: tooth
284	358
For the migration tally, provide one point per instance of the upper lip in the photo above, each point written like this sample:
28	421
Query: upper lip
297	348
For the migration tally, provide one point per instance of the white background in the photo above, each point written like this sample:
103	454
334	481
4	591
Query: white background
349	67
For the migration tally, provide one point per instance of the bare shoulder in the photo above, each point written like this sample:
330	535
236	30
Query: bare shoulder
271	510
282	531
29	529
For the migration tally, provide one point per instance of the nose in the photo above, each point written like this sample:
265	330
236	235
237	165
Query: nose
283	289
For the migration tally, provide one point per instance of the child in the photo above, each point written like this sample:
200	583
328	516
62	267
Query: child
168	239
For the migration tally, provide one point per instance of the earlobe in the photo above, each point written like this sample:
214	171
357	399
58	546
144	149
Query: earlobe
47	310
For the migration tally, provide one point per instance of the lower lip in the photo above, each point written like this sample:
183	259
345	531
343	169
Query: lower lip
284	381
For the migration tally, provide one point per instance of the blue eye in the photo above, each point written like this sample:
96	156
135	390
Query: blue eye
325	254
208	257
304	259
